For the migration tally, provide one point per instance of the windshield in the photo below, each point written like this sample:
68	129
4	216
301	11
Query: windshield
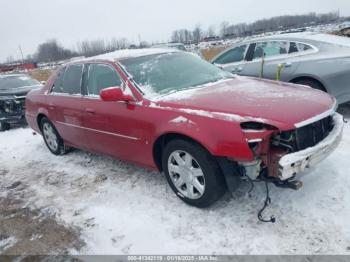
9	82
165	73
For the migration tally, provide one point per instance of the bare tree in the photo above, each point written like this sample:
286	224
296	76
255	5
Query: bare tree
52	51
144	44
197	33
259	26
100	46
10	59
175	37
211	31
223	28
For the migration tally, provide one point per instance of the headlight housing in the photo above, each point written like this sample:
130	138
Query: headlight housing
255	133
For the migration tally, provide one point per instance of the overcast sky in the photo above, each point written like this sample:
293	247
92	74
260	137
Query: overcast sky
28	23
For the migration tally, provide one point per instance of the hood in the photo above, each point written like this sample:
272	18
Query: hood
19	91
248	99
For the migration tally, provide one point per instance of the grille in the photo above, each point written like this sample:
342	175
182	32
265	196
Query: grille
304	137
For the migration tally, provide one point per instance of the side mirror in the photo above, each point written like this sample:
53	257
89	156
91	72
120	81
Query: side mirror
114	94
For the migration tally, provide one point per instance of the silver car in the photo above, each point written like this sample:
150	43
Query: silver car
178	46
317	60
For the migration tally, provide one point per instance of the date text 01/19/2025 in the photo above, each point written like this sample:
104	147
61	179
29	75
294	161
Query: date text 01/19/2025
172	258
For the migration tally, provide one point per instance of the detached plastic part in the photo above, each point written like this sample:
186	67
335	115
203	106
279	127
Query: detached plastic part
295	184
231	172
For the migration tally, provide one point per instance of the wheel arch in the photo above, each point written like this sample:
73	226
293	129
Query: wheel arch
165	138
229	169
39	118
309	78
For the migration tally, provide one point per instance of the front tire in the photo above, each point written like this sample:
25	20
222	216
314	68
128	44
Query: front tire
311	83
193	173
51	137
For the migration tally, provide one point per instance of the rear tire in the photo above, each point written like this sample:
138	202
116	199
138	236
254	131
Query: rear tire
4	126
312	84
52	139
193	173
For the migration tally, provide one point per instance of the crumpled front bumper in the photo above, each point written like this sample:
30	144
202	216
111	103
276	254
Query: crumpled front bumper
12	109
291	164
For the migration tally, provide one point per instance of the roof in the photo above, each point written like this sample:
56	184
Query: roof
166	44
128	53
311	36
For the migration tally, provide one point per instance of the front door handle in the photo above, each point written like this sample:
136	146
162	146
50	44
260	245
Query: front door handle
52	106
90	111
237	70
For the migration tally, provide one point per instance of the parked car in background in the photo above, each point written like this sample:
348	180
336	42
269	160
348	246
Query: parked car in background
13	90
178	46
344	29
317	60
205	128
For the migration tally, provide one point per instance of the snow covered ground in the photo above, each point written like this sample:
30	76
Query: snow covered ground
119	208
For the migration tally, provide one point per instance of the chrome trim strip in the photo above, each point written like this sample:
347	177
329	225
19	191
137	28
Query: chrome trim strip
65	94
99	131
19	97
257	140
318	117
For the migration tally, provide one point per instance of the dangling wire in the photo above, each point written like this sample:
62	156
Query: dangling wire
251	182
266	203
267	200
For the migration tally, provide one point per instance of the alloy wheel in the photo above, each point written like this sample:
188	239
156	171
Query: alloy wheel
50	136
186	174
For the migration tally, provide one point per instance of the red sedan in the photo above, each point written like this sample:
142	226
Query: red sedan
205	128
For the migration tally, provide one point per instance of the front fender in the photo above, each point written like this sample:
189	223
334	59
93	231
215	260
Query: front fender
221	138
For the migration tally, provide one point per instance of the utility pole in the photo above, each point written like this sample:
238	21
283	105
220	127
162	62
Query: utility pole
20	49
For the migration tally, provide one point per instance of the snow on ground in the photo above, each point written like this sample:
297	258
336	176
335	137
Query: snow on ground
124	209
7	242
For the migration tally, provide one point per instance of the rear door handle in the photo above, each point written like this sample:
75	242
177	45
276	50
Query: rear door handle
90	110
288	64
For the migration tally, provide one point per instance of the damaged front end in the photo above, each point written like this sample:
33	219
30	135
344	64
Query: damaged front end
12	108
279	156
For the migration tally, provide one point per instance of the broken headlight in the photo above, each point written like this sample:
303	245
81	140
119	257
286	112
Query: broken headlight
255	133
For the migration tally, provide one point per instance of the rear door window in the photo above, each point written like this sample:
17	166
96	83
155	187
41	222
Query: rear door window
270	49
72	80
304	47
234	55
101	76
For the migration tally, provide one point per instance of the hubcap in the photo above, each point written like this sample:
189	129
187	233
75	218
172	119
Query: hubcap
50	136
186	174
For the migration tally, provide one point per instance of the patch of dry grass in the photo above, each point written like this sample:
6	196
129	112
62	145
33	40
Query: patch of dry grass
40	74
210	53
